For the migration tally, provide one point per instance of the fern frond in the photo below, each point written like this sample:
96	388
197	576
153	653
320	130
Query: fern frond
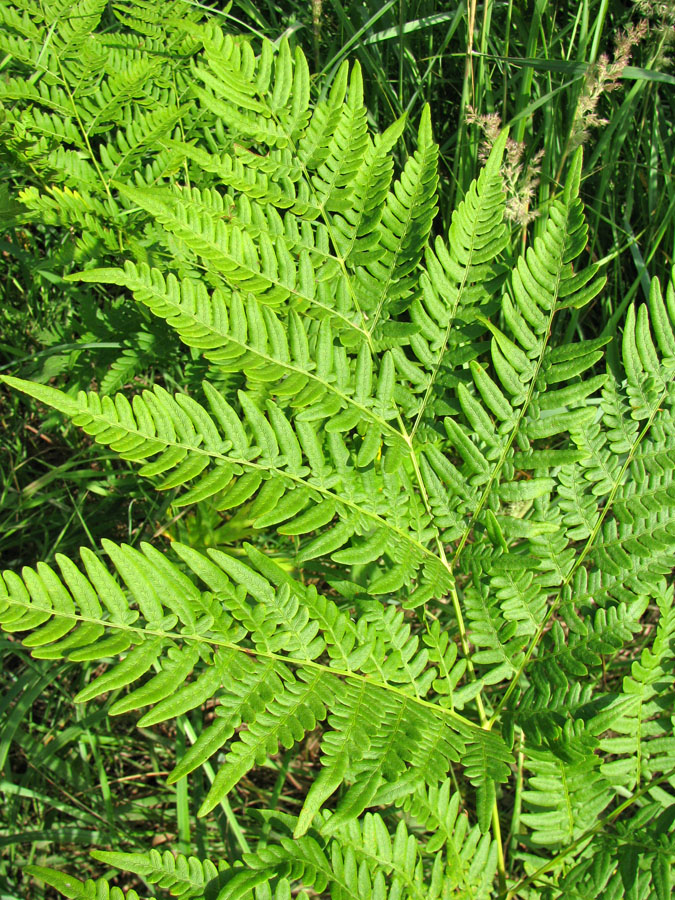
473	514
345	152
566	794
387	280
240	172
471	857
268	271
149	19
634	859
260	454
70	887
355	231
248	336
161	619
477	235
642	721
183	876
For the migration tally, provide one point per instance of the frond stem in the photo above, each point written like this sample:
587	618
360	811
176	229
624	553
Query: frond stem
464	725
512	892
466	650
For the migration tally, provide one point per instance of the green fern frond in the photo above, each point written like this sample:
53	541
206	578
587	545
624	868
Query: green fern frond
472	511
182	876
641	721
390	277
160	618
70	887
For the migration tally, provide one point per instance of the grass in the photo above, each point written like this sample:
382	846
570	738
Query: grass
544	69
533	65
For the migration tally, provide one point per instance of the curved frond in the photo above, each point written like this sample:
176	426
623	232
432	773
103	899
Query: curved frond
255	649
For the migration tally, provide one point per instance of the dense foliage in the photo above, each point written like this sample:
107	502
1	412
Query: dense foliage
437	517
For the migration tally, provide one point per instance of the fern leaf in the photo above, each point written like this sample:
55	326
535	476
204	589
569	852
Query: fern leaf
409	210
73	889
477	235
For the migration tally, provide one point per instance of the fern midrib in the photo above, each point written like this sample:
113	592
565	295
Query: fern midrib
246	463
213	641
485	723
347	399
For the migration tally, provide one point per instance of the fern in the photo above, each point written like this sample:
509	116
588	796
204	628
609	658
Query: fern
457	519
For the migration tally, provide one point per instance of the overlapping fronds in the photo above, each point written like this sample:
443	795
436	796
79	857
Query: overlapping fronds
251	638
457	516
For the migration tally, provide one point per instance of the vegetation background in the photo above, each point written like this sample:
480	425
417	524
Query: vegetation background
560	74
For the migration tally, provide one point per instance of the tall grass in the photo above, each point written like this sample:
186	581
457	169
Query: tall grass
536	65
